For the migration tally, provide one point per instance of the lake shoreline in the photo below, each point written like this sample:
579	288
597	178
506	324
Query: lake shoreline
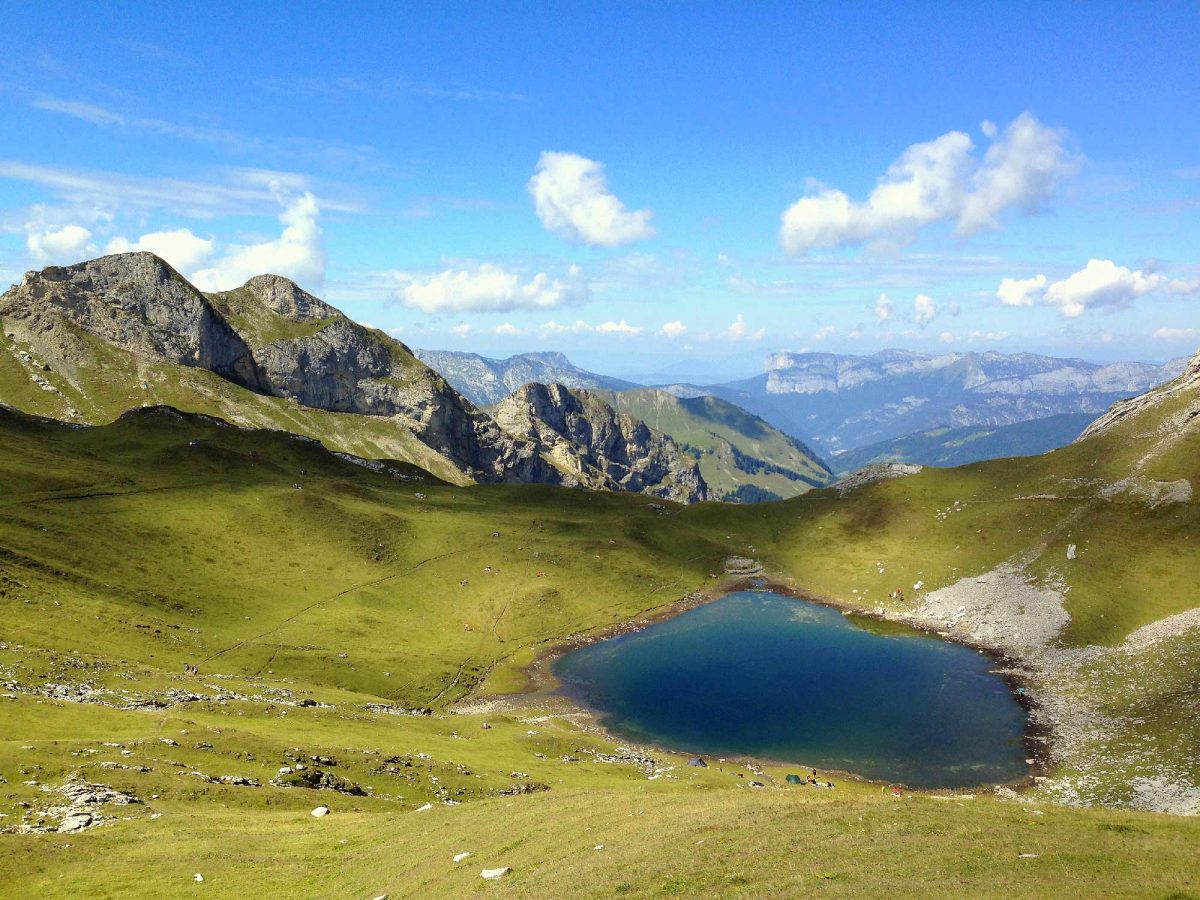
544	687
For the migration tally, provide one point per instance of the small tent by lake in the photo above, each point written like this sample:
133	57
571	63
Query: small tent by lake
698	762
794	779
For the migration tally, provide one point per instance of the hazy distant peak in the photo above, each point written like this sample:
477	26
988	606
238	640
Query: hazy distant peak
487	381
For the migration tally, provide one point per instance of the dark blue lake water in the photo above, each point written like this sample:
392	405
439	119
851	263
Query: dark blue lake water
764	675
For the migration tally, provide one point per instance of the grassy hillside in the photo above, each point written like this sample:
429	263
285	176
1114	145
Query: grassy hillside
740	454
291	576
947	447
105	381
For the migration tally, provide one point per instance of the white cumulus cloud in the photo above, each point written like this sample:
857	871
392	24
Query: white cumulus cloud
1021	291
1100	283
182	249
622	328
938	181
506	329
487	288
66	244
883	307
571	197
739	332
924	309
297	253
673	330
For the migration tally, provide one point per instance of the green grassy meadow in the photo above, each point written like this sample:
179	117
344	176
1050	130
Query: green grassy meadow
288	575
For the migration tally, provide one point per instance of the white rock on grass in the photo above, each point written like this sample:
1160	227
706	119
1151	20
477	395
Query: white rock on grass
459	857
427	806
320	811
75	822
495	873
197	877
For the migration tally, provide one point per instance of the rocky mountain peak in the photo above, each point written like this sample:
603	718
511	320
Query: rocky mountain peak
133	300
286	298
140	268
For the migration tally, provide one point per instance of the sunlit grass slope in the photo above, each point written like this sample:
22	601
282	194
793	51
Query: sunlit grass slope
288	574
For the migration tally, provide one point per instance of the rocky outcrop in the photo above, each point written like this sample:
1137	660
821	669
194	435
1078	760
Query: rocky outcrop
594	446
1188	382
287	299
135	301
875	472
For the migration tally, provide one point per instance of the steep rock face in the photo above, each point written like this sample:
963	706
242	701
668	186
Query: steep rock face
330	370
137	302
597	447
316	356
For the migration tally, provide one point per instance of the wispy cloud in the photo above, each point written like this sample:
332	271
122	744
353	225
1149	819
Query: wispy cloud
621	329
160	54
242	191
388	86
329	152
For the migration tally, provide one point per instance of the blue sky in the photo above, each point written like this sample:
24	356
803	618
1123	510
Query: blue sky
639	185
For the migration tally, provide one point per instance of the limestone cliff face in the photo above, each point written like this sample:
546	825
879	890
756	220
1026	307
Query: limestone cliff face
137	302
597	447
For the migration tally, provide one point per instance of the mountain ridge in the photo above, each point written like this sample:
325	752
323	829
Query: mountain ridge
486	381
840	402
138	303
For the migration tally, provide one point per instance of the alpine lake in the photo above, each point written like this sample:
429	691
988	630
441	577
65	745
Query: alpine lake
758	674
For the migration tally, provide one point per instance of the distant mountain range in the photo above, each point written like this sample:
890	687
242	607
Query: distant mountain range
741	456
838	403
959	446
486	381
895	405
